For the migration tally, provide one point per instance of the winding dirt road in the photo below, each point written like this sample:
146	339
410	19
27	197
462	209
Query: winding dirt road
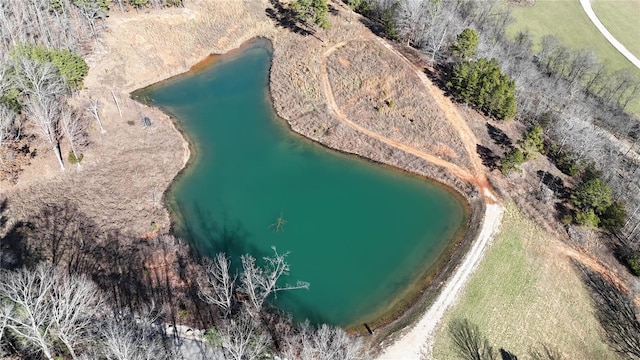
475	176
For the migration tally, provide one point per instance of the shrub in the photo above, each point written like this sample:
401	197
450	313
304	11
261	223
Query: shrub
592	194
73	159
532	141
587	218
633	262
511	161
72	67
614	216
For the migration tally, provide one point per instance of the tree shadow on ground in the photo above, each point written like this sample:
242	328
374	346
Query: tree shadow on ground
615	310
489	158
555	184
283	18
135	272
499	137
506	355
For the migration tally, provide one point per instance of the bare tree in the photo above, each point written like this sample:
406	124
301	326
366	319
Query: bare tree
45	305
582	63
128	337
220	284
43	87
93	13
74	128
322	343
616	313
75	302
93	107
545	352
7	117
28	295
240	338
257	283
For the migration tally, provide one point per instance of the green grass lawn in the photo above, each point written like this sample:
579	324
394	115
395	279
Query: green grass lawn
524	294
622	19
566	20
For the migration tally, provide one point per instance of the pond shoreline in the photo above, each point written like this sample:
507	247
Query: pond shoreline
394	321
181	56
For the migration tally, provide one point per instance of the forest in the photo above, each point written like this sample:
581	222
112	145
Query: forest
568	98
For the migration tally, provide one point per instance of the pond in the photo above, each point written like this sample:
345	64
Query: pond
362	234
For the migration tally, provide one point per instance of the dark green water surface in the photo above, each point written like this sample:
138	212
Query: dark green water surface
360	233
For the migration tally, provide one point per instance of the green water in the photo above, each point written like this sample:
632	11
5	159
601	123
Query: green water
360	233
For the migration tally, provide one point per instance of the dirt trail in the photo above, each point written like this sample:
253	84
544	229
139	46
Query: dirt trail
476	176
338	114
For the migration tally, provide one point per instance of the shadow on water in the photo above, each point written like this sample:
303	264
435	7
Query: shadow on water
209	234
295	300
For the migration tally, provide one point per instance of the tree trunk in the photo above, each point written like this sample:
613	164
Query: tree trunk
56	149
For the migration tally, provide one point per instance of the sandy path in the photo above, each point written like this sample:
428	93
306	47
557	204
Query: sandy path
418	340
586	6
453	116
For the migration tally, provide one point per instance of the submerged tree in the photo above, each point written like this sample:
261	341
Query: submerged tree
257	283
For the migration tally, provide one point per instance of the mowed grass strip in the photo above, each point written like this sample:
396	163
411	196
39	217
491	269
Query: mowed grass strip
622	19
526	293
566	20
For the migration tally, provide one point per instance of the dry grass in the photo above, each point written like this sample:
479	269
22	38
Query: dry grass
126	170
526	292
384	95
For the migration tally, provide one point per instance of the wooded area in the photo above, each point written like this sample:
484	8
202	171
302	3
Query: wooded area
570	94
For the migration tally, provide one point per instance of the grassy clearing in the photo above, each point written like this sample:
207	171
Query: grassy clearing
525	293
384	95
566	20
622	19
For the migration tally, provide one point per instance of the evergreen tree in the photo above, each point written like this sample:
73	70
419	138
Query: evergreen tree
312	12
511	161
592	194
614	216
532	141
466	44
72	67
483	84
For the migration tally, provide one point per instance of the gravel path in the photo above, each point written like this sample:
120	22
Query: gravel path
417	343
586	6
